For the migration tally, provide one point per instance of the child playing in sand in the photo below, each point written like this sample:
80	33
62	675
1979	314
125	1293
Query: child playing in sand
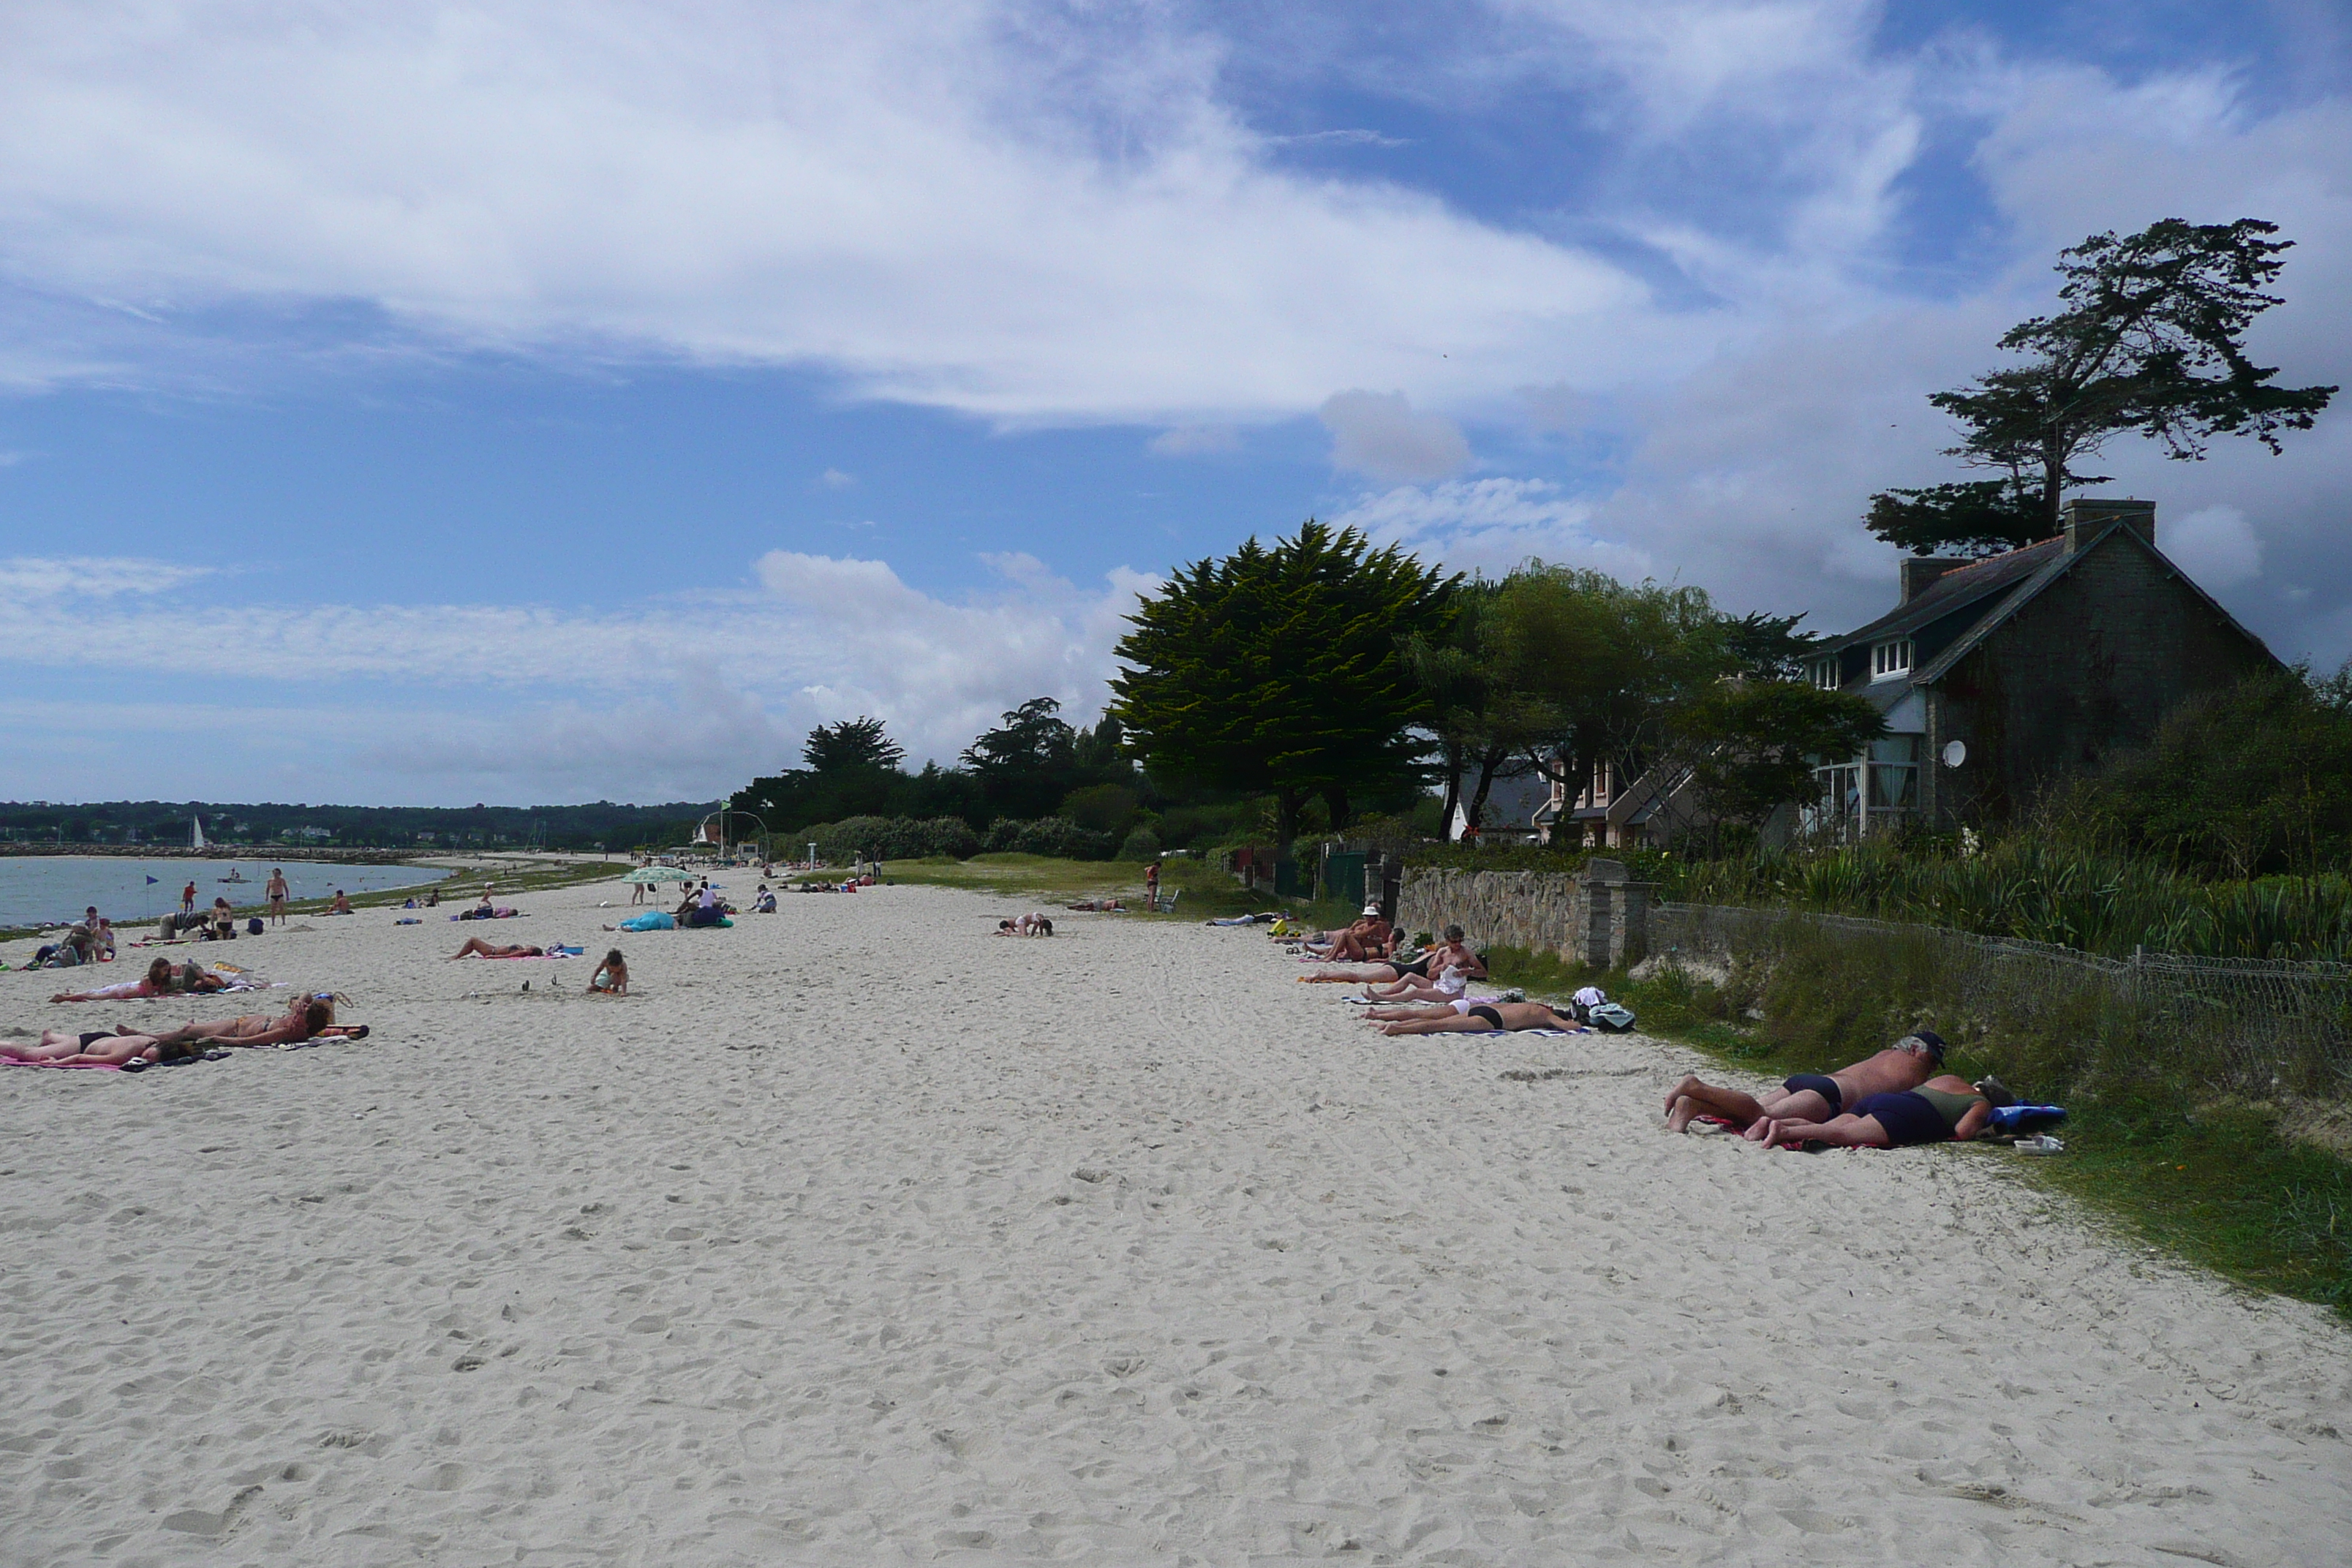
611	975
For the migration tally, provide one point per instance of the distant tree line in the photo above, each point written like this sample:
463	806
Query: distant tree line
257	825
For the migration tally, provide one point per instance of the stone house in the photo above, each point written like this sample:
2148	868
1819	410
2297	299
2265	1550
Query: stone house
2000	676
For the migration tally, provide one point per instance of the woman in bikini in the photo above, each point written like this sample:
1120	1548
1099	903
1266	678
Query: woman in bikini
1468	1017
310	1017
476	947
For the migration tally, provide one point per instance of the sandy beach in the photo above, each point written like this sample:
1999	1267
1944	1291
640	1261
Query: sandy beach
861	1236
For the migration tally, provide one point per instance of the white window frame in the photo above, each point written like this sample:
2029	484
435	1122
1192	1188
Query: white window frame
1889	659
1825	673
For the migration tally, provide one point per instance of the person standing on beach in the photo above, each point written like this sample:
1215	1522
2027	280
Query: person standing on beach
1151	885
188	900
277	891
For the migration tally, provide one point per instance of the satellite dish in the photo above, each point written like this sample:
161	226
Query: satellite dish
1955	753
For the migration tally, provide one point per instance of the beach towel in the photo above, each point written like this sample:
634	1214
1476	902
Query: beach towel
2026	1118
91	1066
652	920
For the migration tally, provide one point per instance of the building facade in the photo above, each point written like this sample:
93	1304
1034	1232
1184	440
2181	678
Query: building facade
2002	676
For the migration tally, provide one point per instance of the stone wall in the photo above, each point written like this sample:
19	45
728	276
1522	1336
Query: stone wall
1596	917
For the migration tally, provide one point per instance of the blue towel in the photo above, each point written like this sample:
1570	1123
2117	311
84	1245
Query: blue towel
2026	1118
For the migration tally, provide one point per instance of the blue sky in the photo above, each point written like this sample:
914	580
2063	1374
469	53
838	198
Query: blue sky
530	402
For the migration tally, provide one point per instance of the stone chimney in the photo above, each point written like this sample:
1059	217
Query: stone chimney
2087	520
1918	571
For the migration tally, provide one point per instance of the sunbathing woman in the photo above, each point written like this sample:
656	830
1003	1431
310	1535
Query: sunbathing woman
305	1018
611	975
1943	1110
310	1017
478	947
1484	1017
161	981
97	1048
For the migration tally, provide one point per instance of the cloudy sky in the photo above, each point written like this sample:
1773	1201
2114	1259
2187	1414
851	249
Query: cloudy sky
535	402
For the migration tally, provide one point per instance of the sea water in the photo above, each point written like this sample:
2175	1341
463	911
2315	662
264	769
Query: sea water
54	890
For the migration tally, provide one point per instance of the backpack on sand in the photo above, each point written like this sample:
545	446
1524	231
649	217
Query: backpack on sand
1610	1018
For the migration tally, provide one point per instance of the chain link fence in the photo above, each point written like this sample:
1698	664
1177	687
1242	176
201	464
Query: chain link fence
2235	1025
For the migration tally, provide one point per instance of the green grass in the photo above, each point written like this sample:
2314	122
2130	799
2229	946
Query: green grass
1208	891
2215	1183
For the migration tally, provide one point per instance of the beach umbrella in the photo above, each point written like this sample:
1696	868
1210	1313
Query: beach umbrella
653	876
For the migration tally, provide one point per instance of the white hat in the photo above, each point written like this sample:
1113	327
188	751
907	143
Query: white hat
1372	909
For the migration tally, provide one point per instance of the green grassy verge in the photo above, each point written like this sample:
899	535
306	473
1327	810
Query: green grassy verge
1207	892
2213	1182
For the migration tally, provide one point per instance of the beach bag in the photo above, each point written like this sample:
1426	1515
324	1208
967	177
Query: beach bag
253	927
1609	1018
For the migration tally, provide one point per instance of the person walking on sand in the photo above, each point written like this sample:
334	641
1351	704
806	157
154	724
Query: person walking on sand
188	900
277	892
1808	1096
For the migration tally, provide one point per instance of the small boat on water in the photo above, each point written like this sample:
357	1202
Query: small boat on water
235	876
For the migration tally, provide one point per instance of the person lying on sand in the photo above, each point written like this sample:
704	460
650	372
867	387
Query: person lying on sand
1945	1109
305	1017
481	947
1441	974
1454	1008
612	976
1808	1096
310	1017
96	1049
1452	953
1484	1017
163	979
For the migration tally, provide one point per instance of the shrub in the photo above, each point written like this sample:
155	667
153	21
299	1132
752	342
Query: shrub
1106	808
1053	836
1141	845
893	839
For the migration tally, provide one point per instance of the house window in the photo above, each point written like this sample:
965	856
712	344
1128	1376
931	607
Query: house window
1825	674
1895	773
1890	659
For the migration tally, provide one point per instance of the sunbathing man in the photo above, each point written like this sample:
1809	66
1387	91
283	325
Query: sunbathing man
1809	1095
1370	938
1945	1109
479	947
1483	1018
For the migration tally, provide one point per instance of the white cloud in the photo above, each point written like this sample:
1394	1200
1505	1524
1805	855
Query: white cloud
1492	525
958	204
1381	435
2216	545
635	702
835	480
47	577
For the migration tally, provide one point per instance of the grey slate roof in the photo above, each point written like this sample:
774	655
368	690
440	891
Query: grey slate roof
1954	591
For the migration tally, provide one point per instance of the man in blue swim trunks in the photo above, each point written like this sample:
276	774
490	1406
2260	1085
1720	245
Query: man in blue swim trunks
1810	1097
1943	1110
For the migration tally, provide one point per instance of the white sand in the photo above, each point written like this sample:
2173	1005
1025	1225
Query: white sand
863	1236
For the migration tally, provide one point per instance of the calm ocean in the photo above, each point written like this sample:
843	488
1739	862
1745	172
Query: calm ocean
38	888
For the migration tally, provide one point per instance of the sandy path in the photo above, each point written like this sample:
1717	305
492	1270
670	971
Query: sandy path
1119	1247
